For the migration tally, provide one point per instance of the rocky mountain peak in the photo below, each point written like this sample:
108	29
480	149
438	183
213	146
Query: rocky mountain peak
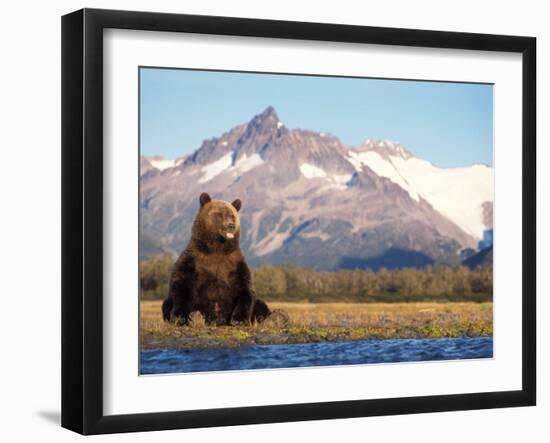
260	133
385	148
266	123
267	119
245	140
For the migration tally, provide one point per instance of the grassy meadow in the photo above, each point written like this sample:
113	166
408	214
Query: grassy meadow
319	322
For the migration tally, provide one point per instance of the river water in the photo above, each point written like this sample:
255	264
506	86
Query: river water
163	361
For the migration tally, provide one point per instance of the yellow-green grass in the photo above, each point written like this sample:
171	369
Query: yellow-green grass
309	322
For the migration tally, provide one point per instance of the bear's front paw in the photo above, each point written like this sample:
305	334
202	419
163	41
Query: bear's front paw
179	320
240	317
235	322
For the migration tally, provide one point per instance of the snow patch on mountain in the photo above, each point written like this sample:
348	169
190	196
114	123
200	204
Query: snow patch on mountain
215	168
381	167
162	164
341	181
245	164
336	181
270	243
224	164
458	193
312	171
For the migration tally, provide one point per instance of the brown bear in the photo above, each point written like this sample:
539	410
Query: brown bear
211	275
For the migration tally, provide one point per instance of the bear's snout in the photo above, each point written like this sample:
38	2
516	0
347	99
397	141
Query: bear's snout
229	229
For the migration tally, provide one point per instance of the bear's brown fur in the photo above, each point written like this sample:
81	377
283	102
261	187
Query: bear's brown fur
211	275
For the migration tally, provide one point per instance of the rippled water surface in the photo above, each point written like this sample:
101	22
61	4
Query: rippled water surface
162	361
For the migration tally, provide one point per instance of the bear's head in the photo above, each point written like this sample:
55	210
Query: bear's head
217	225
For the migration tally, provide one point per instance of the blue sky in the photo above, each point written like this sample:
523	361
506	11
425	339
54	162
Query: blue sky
449	124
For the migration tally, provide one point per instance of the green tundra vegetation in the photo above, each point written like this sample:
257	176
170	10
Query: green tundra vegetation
288	283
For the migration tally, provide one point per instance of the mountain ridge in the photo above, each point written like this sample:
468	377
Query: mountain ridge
356	201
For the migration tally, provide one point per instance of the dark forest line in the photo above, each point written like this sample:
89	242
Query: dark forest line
298	284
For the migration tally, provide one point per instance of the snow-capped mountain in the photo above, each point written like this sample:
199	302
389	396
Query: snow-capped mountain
158	163
460	194
309	199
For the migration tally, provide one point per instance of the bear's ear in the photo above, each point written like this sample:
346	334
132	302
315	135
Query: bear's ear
236	204
205	198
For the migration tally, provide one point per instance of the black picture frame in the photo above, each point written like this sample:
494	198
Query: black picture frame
82	218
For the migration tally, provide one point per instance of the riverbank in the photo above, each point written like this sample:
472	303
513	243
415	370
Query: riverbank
324	322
